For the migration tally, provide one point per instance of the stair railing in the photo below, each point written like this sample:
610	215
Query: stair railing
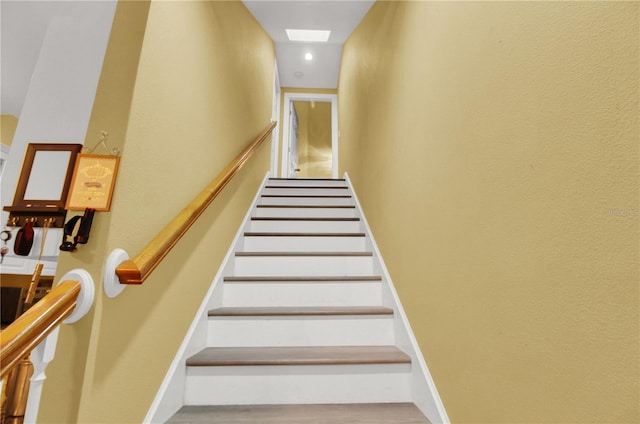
22	336
136	270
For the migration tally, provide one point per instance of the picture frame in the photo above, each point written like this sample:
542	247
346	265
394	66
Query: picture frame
93	181
46	175
43	185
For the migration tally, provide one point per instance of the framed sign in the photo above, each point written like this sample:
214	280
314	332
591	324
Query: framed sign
93	180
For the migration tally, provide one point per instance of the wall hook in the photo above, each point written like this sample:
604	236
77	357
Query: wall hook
103	143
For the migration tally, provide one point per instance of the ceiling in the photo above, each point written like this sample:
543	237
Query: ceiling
24	24
340	17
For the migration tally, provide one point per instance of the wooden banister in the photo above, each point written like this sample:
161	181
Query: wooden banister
136	270
26	332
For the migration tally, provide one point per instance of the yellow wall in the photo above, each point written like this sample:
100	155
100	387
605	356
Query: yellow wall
185	87
8	124
314	139
494	146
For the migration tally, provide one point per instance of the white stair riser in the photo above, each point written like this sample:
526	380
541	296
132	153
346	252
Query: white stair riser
302	183
303	244
306	212
321	293
304	266
305	226
260	385
307	191
300	331
294	201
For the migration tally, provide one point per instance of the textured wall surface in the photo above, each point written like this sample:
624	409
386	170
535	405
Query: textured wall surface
185	87
494	146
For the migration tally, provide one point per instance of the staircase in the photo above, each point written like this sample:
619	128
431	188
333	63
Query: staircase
302	312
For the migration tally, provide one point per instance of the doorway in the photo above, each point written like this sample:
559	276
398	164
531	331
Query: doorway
310	136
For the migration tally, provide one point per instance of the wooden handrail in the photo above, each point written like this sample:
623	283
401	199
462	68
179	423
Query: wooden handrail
26	332
136	270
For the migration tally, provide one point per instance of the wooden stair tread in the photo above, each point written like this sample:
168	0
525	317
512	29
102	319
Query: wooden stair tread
338	413
306	187
298	355
283	234
363	278
284	218
309	196
308	206
299	311
306	179
304	254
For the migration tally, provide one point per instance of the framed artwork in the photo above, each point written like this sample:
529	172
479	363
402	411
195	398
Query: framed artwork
94	178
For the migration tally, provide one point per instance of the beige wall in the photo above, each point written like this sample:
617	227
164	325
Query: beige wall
8	124
182	92
494	146
314	139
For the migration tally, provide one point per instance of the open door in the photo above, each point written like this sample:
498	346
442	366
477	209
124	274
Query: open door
291	139
293	142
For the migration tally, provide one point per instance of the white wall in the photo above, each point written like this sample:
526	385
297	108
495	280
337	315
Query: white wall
62	88
60	96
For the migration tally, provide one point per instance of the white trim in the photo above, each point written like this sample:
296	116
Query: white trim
40	358
275	116
85	297
112	285
288	98
46	349
173	384
423	402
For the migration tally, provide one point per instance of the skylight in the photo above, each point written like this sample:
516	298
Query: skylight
308	35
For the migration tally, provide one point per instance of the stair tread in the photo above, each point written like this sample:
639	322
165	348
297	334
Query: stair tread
308	206
284	218
302	279
300	311
298	355
337	413
286	234
310	196
302	254
306	179
306	187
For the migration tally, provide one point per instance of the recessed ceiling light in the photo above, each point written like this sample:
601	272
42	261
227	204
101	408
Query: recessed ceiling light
308	56
308	35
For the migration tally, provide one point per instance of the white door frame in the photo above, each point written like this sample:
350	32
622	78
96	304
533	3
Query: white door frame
290	97
275	112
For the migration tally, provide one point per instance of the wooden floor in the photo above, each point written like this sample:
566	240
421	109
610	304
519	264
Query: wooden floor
379	413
